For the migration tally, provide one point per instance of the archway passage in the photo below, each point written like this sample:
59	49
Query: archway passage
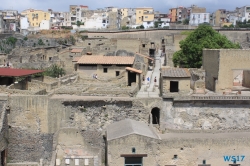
155	115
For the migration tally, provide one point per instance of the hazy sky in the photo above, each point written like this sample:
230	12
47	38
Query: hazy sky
158	5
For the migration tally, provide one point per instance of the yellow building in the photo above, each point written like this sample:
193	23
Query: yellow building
144	14
124	12
35	17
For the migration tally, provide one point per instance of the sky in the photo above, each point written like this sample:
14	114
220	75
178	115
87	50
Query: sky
158	5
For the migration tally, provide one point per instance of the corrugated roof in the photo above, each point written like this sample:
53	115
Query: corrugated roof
127	127
76	50
175	72
133	70
121	60
10	72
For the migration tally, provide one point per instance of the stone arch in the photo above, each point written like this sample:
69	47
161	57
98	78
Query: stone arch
155	114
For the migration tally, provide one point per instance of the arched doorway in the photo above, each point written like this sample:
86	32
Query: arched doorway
155	115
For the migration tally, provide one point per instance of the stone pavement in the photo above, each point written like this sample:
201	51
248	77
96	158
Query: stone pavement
150	89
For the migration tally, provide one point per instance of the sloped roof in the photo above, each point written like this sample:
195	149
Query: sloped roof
133	70
127	127
76	50
75	59
120	60
10	72
175	72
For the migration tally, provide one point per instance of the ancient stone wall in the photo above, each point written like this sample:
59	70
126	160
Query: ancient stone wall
205	116
210	62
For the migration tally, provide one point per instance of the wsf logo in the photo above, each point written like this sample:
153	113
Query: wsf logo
234	158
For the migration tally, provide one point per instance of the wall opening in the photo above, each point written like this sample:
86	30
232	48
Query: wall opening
151	52
117	73
131	78
105	70
3	158
133	161
174	86
155	115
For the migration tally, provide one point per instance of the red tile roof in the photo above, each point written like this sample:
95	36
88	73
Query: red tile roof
116	60
75	59
133	70
10	72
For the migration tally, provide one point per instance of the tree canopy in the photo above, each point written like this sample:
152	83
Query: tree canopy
204	36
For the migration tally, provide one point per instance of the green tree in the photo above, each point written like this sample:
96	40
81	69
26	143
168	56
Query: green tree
54	71
185	22
40	42
204	36
125	27
141	27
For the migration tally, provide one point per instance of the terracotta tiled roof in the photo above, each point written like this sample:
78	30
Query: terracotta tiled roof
133	70
175	72
76	50
119	60
75	59
10	72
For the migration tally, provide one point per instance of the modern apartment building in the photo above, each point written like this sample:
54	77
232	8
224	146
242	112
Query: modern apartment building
36	17
198	18
144	14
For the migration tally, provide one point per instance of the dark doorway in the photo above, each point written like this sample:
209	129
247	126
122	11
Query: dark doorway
133	161
155	115
3	158
151	52
174	86
214	85
131	78
6	81
117	73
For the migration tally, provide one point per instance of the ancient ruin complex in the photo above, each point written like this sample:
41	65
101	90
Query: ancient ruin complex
122	102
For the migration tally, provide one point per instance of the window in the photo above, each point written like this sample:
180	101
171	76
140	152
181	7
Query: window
143	45
198	15
89	44
174	86
133	161
146	16
117	73
105	70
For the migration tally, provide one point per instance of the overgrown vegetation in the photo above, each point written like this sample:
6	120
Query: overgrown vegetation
72	40
40	42
204	36
54	71
11	40
244	24
79	23
84	37
185	22
157	23
140	27
125	27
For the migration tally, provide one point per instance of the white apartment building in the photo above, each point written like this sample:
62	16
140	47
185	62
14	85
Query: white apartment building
198	18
